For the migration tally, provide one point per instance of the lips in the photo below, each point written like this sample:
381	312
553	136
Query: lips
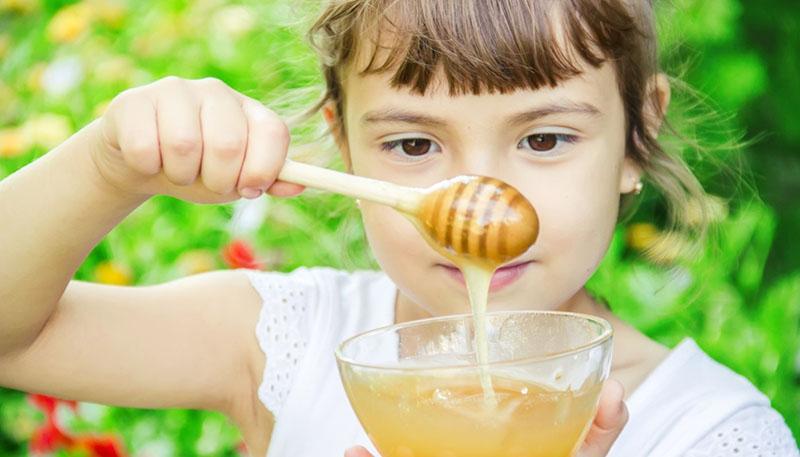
502	278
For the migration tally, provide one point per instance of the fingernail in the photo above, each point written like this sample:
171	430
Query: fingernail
249	192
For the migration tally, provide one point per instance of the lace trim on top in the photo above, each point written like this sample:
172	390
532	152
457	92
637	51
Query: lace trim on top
757	431
282	333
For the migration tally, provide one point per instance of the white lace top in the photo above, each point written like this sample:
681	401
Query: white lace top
690	406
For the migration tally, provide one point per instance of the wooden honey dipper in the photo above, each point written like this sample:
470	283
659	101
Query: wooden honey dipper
467	217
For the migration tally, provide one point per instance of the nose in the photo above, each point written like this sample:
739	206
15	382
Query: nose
480	160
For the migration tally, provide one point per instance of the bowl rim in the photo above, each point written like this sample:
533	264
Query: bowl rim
605	335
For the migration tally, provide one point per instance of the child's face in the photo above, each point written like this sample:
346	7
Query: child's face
573	173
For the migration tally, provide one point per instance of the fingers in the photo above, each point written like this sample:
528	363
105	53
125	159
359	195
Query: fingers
192	129
612	415
285	189
267	146
179	133
131	129
224	129
357	451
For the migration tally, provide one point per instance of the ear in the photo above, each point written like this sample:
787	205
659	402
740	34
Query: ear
656	101
630	176
337	130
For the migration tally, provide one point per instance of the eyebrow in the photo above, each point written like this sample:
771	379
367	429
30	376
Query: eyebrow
399	116
567	107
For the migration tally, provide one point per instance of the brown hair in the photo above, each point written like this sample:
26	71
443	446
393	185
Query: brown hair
505	45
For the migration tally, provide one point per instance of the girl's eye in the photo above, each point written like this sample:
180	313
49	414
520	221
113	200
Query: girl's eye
411	148
545	142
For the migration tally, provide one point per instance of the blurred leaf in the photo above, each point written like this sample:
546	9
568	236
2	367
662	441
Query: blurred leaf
733	78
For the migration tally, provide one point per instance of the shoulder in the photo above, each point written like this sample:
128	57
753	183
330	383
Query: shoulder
304	314
688	376
742	421
320	286
752	431
683	400
314	277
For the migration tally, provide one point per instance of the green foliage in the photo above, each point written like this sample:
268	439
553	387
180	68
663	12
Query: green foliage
740	300
720	299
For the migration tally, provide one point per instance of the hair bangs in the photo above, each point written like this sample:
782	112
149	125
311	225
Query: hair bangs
484	46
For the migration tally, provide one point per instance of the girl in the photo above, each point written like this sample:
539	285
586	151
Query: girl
563	100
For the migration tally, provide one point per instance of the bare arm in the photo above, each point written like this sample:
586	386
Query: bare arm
54	211
187	343
173	345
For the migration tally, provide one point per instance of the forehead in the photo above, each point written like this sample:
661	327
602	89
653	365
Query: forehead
368	93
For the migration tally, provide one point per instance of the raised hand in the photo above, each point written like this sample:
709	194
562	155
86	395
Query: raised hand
197	140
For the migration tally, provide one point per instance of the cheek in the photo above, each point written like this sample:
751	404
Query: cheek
403	255
578	212
575	236
394	241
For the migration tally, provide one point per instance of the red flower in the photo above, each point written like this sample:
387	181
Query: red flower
239	254
49	438
97	446
48	404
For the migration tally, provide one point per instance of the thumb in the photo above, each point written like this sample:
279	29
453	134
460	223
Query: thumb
612	415
357	451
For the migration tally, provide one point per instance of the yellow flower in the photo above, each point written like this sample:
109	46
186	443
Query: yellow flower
110	12
12	143
5	44
34	77
641	235
114	69
112	273
196	261
8	99
19	6
47	130
161	40
70	23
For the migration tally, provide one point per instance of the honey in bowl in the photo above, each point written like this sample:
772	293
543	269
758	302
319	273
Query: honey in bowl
418	392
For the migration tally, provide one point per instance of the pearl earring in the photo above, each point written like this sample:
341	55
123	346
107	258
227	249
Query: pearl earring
638	188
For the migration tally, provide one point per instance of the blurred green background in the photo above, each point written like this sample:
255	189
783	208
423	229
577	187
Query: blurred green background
61	61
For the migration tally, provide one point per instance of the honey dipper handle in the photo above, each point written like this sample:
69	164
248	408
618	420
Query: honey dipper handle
402	198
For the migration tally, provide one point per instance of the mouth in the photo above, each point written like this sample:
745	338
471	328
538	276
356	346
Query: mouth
502	278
